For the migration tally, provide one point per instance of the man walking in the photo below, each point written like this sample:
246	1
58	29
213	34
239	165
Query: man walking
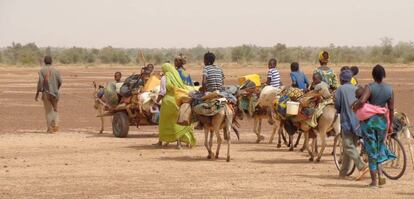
49	84
345	96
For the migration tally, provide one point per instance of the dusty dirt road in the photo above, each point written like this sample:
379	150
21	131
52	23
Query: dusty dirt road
80	163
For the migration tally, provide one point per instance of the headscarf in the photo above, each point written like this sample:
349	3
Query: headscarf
324	56
346	76
172	76
181	58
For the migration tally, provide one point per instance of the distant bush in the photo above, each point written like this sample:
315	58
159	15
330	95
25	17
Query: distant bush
386	52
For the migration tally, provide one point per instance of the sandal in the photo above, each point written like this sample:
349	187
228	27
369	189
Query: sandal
382	181
362	173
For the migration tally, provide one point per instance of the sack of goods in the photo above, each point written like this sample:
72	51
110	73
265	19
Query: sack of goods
145	101
110	95
181	96
151	83
210	108
247	104
131	83
268	96
184	115
293	93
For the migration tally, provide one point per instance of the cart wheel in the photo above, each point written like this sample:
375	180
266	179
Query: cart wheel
120	124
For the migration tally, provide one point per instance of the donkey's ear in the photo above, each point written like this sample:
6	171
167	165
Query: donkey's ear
406	118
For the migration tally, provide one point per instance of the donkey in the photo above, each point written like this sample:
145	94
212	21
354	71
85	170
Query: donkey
329	120
99	105
264	111
404	134
212	125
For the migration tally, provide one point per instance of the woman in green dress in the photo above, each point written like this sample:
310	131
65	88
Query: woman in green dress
169	130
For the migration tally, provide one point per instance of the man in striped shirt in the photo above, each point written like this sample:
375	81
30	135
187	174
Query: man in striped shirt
273	76
213	76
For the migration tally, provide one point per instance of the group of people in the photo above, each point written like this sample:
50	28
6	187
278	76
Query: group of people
365	111
351	99
176	77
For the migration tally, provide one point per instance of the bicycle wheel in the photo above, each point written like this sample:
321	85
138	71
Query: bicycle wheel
394	169
338	154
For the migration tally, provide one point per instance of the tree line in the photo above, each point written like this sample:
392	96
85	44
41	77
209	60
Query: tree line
385	52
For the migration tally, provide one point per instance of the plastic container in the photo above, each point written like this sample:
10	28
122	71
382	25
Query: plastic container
253	77
152	82
292	108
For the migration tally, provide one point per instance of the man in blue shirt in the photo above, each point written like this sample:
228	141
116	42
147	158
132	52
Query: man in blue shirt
345	96
298	78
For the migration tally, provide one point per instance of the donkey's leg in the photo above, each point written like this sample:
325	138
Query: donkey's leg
100	108
206	131
290	142
322	135
409	138
219	140
307	147
305	142
228	144
211	143
279	132
259	130
255	128
282	132
298	139
273	133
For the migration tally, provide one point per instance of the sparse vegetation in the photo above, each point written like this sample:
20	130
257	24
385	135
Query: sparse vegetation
386	52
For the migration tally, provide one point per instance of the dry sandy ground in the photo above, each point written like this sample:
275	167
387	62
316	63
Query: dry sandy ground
79	163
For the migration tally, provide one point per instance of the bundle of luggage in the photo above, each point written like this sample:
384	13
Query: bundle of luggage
202	104
196	103
302	109
248	97
287	96
134	95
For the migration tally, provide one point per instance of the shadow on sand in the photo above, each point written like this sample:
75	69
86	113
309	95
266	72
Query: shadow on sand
36	131
405	194
322	177
270	149
187	158
359	186
282	161
97	134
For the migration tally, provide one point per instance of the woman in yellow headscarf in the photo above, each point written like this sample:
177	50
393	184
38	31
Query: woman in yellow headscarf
169	130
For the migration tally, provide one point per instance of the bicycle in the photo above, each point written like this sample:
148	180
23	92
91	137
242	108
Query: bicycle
391	169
